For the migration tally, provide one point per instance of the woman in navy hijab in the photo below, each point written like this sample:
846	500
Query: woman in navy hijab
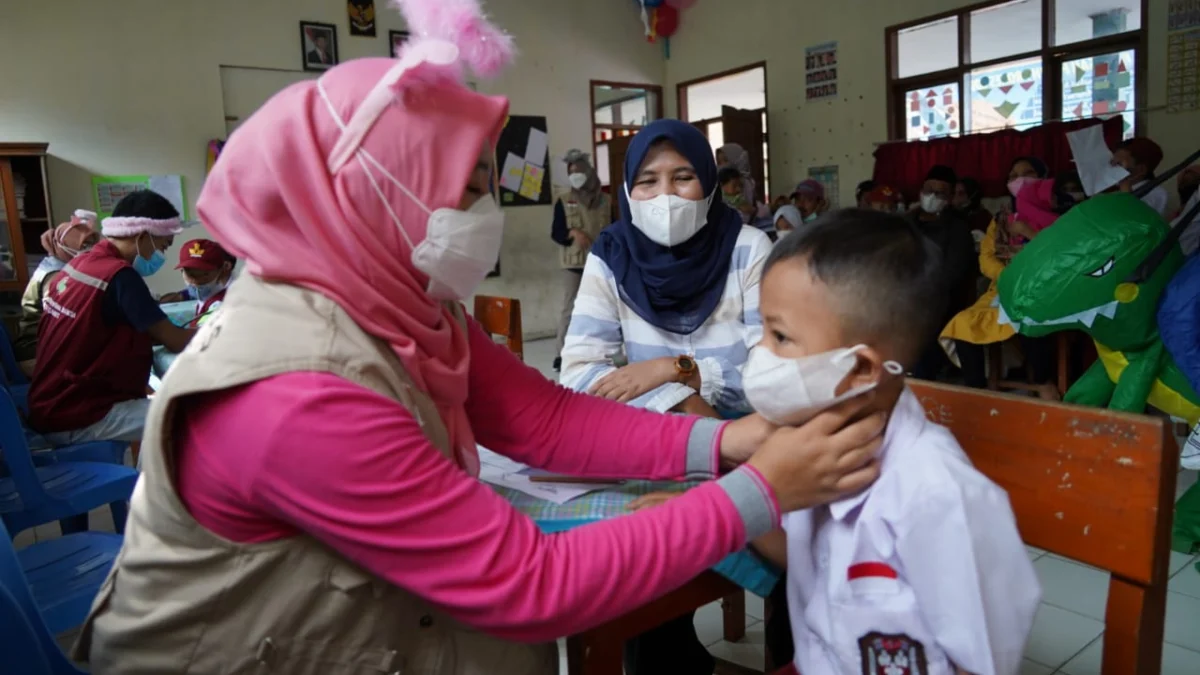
670	289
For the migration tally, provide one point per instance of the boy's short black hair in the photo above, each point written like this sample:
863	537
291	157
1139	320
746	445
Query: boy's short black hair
863	188
884	275
727	174
145	204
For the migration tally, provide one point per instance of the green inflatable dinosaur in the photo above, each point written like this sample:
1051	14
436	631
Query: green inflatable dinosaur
1073	276
1083	274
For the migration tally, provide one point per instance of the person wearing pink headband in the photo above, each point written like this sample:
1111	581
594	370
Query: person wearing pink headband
310	499
62	244
98	328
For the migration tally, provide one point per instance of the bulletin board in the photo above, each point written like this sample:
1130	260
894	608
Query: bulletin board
108	190
523	154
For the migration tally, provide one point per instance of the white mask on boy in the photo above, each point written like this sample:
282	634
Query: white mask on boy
793	391
668	220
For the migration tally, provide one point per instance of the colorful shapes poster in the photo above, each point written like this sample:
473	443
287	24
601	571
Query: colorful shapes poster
524	155
821	71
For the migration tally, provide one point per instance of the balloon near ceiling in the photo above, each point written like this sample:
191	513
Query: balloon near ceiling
660	18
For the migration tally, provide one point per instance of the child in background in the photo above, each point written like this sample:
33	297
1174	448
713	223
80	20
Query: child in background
207	271
883	198
1141	156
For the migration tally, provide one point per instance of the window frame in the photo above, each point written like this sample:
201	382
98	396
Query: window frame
1052	57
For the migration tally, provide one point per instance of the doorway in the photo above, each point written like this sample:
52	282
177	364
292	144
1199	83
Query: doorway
731	107
619	110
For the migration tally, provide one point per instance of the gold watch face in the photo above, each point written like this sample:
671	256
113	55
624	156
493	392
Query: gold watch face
686	364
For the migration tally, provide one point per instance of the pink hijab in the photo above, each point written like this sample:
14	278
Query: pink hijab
272	200
1035	204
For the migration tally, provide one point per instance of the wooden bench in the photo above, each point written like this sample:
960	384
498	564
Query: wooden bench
1088	484
502	316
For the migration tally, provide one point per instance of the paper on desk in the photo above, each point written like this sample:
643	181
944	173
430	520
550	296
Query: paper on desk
1093	160
499	470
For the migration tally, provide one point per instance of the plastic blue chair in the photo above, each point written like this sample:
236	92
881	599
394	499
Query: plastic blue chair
35	495
26	641
14	379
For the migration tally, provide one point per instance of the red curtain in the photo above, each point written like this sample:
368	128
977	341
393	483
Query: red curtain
984	157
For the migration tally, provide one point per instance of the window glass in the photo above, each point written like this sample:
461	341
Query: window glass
1006	30
1100	86
1005	96
1079	20
927	48
932	112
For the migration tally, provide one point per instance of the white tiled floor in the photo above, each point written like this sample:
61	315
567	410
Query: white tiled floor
1068	631
1067	634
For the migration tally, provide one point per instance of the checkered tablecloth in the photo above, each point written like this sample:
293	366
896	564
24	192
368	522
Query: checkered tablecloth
743	568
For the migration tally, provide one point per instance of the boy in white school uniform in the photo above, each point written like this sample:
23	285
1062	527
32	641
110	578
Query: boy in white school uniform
923	573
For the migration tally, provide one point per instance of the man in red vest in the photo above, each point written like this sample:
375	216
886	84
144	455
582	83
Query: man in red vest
98	327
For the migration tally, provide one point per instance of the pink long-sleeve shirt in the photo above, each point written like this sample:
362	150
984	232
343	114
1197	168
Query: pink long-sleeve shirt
314	453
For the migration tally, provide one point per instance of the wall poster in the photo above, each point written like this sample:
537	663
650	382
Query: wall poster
820	71
523	154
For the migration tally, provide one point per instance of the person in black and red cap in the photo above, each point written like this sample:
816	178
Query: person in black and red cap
207	271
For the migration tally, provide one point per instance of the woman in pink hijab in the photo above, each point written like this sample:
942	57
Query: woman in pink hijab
310	499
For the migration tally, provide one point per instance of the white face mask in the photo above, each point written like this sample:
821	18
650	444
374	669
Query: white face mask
931	203
460	247
793	391
577	180
668	220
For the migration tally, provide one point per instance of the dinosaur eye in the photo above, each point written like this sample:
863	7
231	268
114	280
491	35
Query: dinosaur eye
1103	269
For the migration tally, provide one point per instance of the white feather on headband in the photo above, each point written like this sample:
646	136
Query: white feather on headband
483	48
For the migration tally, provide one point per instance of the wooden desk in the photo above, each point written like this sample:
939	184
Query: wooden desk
598	651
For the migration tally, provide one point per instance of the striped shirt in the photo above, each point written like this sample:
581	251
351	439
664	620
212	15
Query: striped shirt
603	326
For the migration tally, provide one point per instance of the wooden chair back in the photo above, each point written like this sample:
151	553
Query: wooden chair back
1089	484
502	316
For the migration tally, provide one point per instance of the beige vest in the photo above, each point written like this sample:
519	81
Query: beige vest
591	221
180	599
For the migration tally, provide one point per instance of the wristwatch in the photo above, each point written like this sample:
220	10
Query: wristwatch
685	368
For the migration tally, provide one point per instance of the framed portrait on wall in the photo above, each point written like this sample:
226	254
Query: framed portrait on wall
318	45
396	40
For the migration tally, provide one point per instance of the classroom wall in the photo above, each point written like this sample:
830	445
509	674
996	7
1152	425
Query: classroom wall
134	87
719	36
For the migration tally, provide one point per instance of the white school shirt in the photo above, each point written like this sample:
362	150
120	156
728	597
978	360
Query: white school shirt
1157	199
922	572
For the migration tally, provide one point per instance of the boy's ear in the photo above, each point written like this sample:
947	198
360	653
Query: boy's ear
868	369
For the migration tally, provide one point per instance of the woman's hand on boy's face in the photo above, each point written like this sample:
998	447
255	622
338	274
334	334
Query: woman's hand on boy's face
827	458
635	379
742	438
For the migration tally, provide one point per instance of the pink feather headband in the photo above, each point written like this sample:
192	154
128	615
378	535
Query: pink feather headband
131	226
451	35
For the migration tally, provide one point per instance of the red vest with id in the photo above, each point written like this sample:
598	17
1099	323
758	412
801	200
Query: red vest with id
84	365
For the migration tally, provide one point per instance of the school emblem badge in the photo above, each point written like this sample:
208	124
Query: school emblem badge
62	285
892	655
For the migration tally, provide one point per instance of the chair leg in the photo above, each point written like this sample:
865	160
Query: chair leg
74	524
733	608
120	512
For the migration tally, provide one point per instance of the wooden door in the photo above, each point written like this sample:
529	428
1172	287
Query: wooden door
744	127
618	147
